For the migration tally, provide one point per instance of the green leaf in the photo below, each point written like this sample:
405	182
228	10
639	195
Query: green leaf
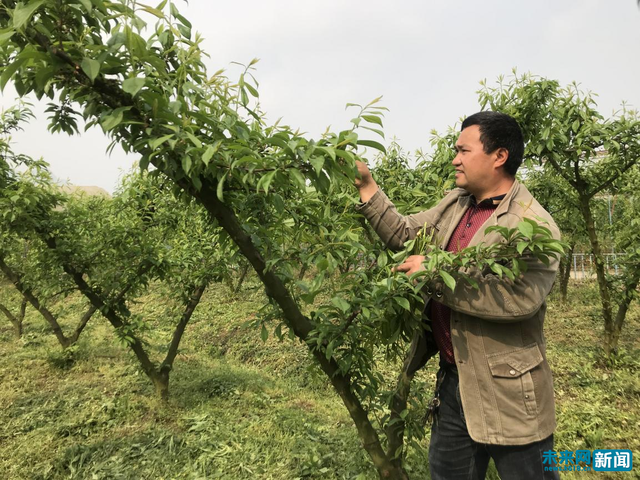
207	155
6	34
322	264
328	151
9	70
153	11
345	155
382	259
330	348
220	188
156	142
497	268
23	13
133	85
521	246
555	246
372	119
374	130
111	120
265	181
195	140
449	281
187	163
252	90
278	203
87	5
298	177
403	302
526	229
90	67
576	125
372	144
318	163
341	303
185	32
44	75
264	334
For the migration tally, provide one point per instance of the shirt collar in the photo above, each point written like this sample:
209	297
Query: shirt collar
491	202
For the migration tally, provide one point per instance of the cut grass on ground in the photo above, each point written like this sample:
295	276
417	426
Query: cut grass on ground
243	409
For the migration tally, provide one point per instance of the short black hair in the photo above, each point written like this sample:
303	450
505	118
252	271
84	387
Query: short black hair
499	130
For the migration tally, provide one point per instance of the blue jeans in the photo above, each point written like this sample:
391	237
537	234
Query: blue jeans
453	455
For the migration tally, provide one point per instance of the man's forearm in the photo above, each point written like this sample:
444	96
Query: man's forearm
367	191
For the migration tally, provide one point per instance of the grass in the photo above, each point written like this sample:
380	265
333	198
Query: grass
244	409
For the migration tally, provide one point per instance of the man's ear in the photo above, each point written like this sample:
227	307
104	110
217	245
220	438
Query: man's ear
502	154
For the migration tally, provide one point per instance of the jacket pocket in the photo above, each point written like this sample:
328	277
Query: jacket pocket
511	371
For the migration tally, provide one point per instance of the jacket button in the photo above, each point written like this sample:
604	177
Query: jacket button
526	396
512	371
461	362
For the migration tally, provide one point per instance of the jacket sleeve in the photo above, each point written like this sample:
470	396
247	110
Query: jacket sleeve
501	299
393	228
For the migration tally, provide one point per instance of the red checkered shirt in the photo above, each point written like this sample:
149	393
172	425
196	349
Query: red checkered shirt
472	220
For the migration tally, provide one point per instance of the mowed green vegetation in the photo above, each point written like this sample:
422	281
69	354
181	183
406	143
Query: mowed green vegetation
241	408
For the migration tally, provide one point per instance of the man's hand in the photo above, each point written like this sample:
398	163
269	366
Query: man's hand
366	185
411	265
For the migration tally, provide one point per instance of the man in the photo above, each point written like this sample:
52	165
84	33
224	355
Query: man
494	389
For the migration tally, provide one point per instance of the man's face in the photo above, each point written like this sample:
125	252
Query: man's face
475	170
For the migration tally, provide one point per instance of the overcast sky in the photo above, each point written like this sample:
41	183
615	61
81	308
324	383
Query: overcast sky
425	58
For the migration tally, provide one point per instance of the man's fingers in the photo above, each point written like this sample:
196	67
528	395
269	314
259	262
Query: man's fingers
404	267
411	265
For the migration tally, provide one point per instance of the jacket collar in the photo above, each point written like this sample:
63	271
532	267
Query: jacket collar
508	198
466	199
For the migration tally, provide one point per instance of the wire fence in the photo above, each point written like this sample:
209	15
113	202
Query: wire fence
583	265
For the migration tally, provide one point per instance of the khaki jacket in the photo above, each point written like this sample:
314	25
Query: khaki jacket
506	385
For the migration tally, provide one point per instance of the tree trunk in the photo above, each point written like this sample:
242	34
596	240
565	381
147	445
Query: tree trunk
610	343
161	383
396	427
623	308
300	325
564	273
243	274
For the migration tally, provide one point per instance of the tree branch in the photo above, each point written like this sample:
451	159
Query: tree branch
192	303
106	309
609	182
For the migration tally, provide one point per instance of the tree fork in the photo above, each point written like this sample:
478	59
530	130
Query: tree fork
33	300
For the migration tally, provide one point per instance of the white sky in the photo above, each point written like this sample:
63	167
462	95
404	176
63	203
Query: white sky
425	57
